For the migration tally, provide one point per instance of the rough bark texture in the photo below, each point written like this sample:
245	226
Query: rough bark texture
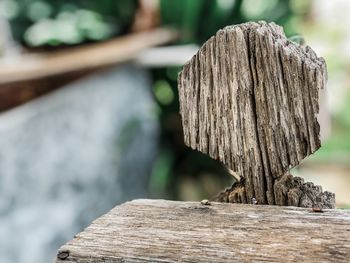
288	191
168	231
249	98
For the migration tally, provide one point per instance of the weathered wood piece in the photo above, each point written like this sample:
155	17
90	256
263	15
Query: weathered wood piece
249	98
168	231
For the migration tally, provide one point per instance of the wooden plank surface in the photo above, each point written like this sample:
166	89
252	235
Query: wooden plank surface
86	57
169	231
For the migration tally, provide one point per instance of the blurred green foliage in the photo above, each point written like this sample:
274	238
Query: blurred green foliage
67	22
198	20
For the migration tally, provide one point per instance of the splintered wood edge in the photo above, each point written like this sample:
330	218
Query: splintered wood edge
170	231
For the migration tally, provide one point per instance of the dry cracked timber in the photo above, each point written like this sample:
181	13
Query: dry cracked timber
250	98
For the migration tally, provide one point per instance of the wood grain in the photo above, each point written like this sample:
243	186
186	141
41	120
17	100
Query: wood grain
249	98
169	231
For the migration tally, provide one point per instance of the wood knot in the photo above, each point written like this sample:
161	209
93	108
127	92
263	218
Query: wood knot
63	255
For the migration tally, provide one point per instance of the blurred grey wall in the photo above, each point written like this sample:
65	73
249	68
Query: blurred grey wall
70	156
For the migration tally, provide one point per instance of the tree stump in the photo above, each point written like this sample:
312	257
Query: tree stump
250	98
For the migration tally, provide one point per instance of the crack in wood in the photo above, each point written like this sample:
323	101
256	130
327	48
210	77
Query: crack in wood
249	98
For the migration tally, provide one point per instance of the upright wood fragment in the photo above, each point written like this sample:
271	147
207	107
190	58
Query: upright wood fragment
249	98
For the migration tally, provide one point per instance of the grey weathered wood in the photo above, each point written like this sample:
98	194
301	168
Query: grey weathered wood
249	98
168	231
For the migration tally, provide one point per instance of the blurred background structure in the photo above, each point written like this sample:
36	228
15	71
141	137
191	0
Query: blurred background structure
89	107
